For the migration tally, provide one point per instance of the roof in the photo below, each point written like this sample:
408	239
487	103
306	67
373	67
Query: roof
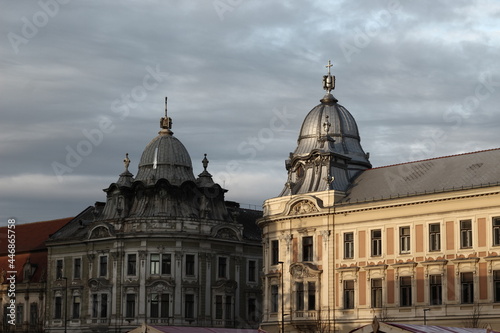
180	329
449	173
401	328
30	245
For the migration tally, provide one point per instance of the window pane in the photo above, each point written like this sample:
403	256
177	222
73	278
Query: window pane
131	264
154	265
166	264
274	252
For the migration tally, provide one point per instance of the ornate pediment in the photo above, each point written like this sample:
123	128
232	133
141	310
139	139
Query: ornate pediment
226	232
303	207
301	271
99	284
101	231
162	285
225	286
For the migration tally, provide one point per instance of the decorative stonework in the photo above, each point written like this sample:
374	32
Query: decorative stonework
226	233
100	232
301	271
303	207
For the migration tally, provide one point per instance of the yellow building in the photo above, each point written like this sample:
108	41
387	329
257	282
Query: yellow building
414	243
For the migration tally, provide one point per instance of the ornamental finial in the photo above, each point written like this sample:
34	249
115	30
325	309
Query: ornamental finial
126	161
166	122
205	162
329	79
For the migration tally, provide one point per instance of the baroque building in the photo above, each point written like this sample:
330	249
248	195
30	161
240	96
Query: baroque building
164	249
345	242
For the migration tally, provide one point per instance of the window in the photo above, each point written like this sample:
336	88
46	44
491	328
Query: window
103	265
434	237
274	298
166	264
189	306
252	310
104	305
58	308
307	248
496	231
165	305
496	286
348	245
348	294
130	306
190	264
59	269
275	252
77	268
376	293
252	271
159	306
33	314
154	263
19	314
465	234
376	243
404	240
467	285
229	301
76	307
99	305
405	291
95	305
299	304
218	307
311	296
131	264
222	267
436	287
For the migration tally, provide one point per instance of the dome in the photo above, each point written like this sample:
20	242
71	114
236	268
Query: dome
333	120
165	157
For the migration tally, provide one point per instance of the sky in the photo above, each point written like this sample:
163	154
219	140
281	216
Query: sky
82	83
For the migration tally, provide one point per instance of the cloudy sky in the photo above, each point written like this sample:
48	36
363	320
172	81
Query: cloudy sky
83	82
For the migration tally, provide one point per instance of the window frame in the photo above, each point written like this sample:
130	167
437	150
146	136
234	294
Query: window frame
307	248
404	240
434	237
376	243
349	245
466	240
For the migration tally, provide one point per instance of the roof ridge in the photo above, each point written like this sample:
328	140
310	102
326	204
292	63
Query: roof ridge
434	158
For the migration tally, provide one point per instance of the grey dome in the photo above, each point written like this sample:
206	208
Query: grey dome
165	157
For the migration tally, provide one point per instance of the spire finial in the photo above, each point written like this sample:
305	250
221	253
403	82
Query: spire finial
329	79
126	161
205	162
166	122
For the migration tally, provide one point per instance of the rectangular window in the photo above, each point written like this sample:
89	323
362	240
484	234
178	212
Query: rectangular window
436	290
274	298
130	306
311	296
222	267
218	307
33	314
19	314
405	291
275	252
299	301
496	231
76	307
348	245
59	269
103	265
434	237
376	293
165	305
166	264
496	286
467	285
376	242
190	264
131	264
154	310
154	264
404	240
252	271
77	268
95	305
229	307
307	248
466	234
348	294
104	305
189	306
252	310
58	308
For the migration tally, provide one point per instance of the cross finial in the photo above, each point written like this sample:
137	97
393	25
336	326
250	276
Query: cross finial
328	66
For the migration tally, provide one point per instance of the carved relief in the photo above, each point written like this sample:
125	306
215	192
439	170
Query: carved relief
300	271
303	207
100	232
226	233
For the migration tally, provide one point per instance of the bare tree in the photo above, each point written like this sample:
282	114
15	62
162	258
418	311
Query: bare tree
474	318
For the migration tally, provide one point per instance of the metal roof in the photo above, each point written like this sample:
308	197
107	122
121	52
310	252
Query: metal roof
449	173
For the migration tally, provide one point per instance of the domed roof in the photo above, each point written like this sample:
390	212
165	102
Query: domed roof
165	157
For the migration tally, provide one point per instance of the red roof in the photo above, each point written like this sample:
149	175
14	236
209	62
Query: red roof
30	244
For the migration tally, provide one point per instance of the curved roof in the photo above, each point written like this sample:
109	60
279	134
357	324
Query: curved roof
165	157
